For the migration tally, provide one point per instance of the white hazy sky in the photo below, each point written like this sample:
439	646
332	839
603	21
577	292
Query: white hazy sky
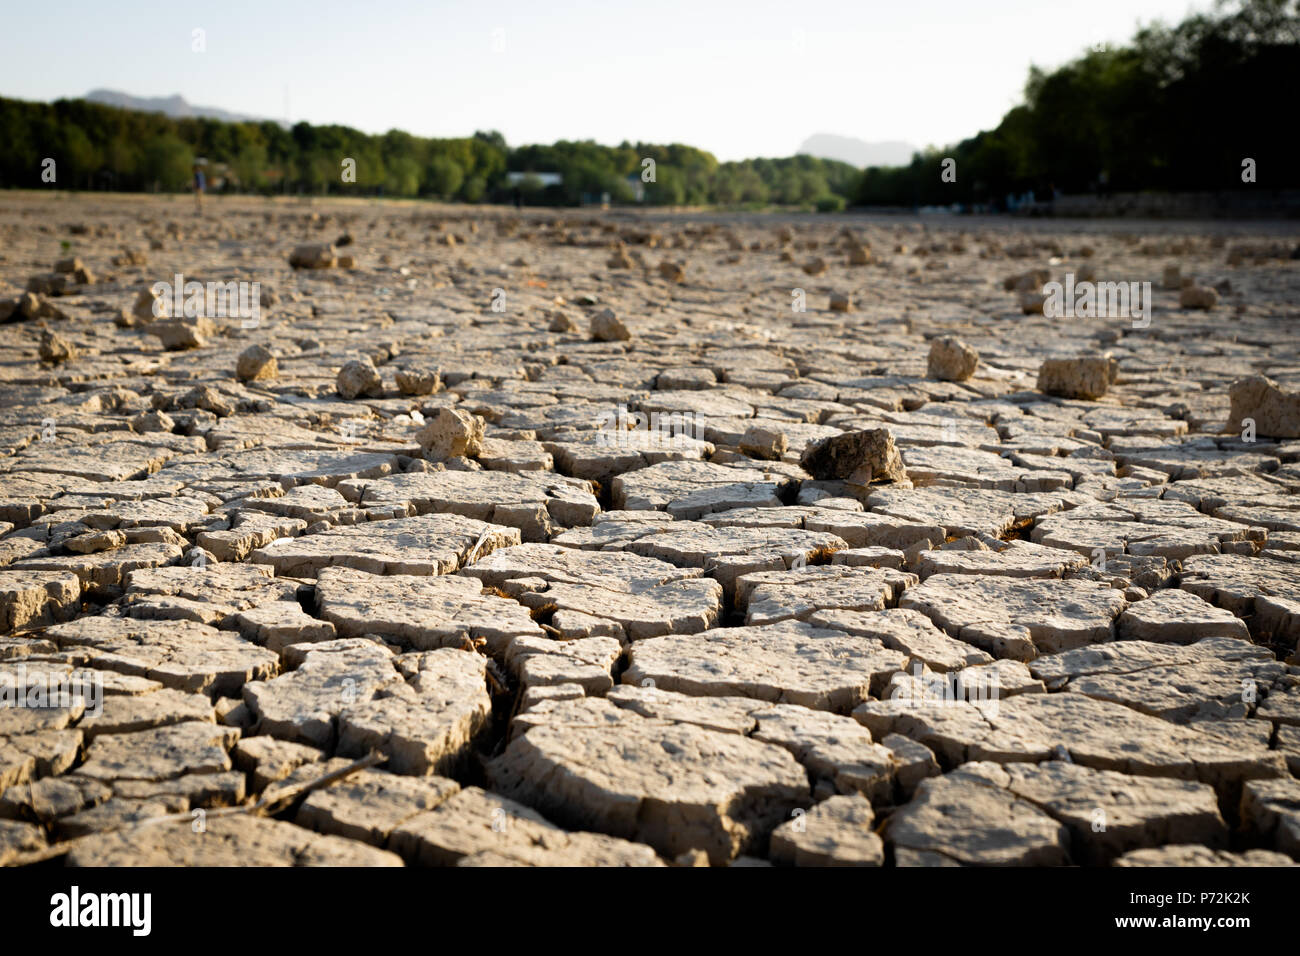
739	79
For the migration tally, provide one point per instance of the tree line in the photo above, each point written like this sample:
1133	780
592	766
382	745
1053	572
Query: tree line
1178	108
102	147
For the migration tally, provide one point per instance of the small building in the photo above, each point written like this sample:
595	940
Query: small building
637	185
546	179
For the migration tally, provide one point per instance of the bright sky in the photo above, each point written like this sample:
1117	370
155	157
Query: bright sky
739	78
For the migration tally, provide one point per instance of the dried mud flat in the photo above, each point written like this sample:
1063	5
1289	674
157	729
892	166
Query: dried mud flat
383	577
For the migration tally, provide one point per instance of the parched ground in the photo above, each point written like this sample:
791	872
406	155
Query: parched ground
385	576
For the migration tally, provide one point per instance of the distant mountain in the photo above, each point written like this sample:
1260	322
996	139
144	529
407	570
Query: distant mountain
174	106
857	151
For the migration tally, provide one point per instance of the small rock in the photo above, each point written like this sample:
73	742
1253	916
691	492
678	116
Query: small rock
149	305
28	305
1026	281
418	381
672	271
95	542
1275	411
858	457
691	858
952	360
187	333
155	421
1197	297
451	433
360	377
131	257
255	363
207	398
561	322
1086	377
608	327
54	348
840	302
859	255
1031	303
313	255
765	443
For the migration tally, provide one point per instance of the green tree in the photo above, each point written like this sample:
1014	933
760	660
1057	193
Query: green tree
444	177
167	164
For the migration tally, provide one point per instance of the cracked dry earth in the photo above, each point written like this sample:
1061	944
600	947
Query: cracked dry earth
392	521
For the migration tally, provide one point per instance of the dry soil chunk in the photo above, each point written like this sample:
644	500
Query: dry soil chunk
1018	618
237	839
256	363
1109	814
270	760
359	378
427	725
475	823
179	654
674	786
961	511
429	544
370	804
608	327
770	596
313	255
421	612
638	596
1265	589
790	662
36	598
907	631
1095	733
1178	617
729	552
160	753
529	502
1205	680
1275	411
303	705
963	819
124	713
17	838
1270	810
691	489
836	832
1195	855
1020	559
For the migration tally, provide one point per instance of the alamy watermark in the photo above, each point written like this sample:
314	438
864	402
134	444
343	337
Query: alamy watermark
41	690
212	300
1098	300
620	428
927	689
77	909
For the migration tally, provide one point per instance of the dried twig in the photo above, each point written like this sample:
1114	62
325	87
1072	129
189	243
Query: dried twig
473	552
